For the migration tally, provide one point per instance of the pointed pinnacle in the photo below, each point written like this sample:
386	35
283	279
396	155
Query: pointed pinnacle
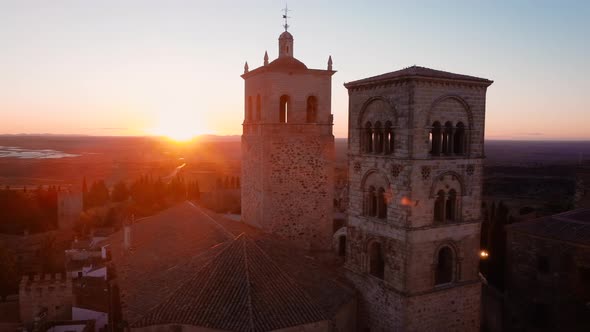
265	58
246	67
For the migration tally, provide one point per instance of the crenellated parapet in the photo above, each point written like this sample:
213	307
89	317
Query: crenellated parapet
48	293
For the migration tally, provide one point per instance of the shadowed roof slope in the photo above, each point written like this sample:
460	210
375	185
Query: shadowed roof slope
572	226
188	267
416	72
241	289
166	249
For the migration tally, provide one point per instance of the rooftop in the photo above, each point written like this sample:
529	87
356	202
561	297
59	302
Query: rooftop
572	226
240	289
92	294
415	72
245	271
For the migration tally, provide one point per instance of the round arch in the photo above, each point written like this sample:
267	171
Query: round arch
371	100
455	175
377	173
457	98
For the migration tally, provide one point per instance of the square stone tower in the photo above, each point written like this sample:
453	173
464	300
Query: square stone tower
288	148
416	139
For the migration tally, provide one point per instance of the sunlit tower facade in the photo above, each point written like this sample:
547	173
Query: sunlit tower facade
288	149
416	150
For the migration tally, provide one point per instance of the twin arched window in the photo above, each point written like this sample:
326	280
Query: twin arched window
285	105
444	268
376	260
375	203
446	206
377	139
447	139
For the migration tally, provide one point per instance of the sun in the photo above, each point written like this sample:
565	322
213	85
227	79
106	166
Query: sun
179	129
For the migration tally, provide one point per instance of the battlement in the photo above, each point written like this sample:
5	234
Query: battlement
46	282
54	292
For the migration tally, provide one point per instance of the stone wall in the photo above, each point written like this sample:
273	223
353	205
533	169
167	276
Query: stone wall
409	236
288	168
52	293
547	284
69	207
447	309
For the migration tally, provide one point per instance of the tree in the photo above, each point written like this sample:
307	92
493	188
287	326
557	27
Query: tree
120	192
98	194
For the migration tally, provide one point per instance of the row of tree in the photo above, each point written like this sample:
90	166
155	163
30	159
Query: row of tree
28	210
142	197
144	191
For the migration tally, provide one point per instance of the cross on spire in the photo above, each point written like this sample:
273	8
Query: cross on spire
286	17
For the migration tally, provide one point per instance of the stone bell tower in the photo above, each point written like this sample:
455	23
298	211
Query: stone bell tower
416	139
288	148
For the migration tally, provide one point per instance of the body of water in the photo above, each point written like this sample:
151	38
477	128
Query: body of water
20	153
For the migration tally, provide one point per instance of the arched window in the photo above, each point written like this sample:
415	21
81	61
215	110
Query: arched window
372	202
444	266
435	139
258	108
447	139
388	132
368	138
439	207
249	110
284	104
381	204
451	207
459	139
342	245
376	261
312	109
378	137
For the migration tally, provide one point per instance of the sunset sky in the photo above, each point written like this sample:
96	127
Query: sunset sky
143	67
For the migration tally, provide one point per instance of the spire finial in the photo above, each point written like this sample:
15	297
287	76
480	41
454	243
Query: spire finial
246	67
330	63
265	58
286	12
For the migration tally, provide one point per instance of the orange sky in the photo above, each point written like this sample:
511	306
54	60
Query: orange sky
136	67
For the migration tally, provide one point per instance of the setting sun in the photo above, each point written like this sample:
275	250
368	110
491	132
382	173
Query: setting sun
178	128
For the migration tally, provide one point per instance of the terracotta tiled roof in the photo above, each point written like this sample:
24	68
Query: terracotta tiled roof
166	249
187	267
416	72
241	289
572	226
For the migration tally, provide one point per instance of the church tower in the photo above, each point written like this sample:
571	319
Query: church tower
287	149
416	140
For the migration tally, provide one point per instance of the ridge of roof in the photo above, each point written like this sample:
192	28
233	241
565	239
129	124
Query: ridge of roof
240	289
417	72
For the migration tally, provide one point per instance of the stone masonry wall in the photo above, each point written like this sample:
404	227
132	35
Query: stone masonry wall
52	292
410	238
287	168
